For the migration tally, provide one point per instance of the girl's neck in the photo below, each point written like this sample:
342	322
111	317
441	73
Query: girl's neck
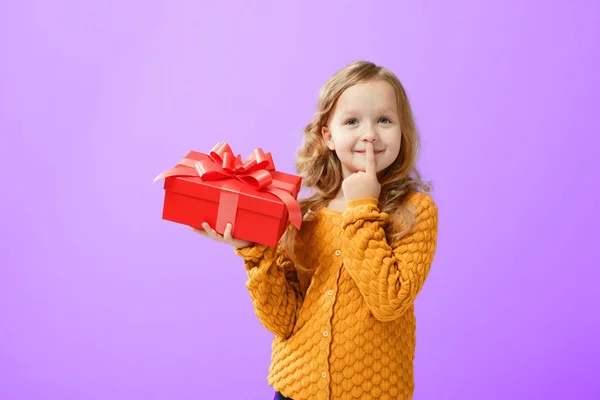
338	203
339	196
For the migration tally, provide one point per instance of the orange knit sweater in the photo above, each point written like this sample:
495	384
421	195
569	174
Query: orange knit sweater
347	331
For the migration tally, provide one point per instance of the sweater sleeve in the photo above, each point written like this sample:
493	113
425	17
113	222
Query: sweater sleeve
274	288
389	277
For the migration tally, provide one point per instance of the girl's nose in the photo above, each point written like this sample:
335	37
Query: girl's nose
369	136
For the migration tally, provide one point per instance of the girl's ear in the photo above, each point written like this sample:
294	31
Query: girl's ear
327	137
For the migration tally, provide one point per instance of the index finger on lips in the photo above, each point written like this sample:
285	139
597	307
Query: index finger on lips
370	166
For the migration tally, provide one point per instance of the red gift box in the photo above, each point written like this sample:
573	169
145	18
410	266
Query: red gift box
220	188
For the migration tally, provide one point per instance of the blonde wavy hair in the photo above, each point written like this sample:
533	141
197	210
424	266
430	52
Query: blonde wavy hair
321	170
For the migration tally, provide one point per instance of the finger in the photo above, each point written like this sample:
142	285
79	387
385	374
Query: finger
210	231
206	229
227	233
370	163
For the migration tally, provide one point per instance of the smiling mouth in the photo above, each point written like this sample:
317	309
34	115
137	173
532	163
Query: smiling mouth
365	152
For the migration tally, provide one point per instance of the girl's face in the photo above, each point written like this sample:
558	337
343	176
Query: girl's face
365	112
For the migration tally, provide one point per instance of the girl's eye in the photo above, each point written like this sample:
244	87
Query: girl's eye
352	121
384	120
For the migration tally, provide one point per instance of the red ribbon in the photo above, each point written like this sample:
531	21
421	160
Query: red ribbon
254	172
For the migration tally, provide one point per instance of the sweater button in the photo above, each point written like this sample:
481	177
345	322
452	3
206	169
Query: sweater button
338	252
330	292
324	374
325	333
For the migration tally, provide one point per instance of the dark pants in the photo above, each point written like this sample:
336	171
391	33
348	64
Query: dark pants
279	396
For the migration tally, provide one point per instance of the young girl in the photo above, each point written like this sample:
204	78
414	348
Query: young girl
338	294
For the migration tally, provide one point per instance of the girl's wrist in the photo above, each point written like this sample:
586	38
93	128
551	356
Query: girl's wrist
363	201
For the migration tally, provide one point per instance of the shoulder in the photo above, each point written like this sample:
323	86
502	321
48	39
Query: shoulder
416	220
422	203
424	211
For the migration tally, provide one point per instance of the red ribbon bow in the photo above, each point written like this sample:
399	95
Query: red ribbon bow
254	172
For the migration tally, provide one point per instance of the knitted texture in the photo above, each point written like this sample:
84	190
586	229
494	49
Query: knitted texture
347	331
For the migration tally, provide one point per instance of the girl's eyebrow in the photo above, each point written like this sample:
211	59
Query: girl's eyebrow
384	111
347	113
389	111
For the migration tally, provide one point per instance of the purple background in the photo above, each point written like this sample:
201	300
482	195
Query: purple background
101	299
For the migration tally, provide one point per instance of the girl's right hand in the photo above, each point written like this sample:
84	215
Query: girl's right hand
226	238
